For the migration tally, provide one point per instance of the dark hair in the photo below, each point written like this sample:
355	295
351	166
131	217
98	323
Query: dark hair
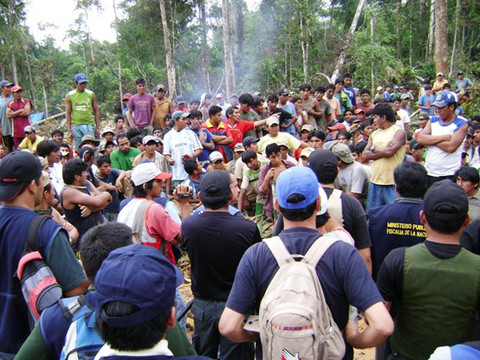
121	136
136	140
140	191
475	118
230	110
298	214
272	98
99	241
345	133
118	117
195	113
132	132
446	86
428	87
258	101
214	110
330	86
246	99
71	168
358	149
46	147
328	174
195	101
468	173
320	89
318	134
305	86
410	179
103	159
365	91
133	338
338	81
190	165
140	81
295	99
475	127
272	149
57	131
347	75
445	227
248	156
364	124
384	109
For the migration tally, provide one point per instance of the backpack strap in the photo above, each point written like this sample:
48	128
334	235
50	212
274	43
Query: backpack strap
139	223
70	306
279	251
32	242
335	205
319	247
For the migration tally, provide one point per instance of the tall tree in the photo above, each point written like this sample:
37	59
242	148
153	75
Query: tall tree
441	36
227	50
171	76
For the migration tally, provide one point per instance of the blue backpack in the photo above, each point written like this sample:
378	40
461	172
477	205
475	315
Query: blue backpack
81	341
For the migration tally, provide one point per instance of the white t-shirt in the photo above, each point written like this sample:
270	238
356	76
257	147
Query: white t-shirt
179	143
404	118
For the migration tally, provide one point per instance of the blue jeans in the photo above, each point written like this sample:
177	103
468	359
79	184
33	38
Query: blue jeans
79	131
180	306
206	338
379	195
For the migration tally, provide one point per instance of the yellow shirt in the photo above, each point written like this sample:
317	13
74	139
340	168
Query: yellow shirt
382	169
293	143
27	144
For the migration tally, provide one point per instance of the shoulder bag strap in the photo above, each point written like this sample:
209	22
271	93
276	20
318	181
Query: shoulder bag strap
32	242
319	247
279	251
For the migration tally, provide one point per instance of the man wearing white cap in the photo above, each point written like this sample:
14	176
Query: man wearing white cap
180	143
275	136
438	84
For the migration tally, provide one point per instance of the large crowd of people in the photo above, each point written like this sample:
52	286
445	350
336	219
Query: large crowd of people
394	175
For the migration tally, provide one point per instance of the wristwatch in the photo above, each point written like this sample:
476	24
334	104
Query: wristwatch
372	149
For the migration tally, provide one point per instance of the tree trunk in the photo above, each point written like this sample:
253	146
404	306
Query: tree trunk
343	55
458	8
14	67
398	28
227	51
304	43
30	77
205	54
172	86
238	26
431	28
441	36
372	41
119	66
45	100
89	36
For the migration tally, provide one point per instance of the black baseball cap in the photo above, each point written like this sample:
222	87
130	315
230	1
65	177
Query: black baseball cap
445	200
215	185
17	169
321	158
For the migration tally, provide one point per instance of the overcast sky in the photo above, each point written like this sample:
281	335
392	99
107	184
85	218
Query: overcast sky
61	15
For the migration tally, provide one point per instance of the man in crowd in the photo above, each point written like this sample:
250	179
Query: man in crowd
365	104
122	157
352	177
218	130
19	111
462	83
246	113
204	136
274	136
402	117
435	282
140	109
284	104
344	277
398	224
213	271
6	123
21	188
386	147
348	89
311	107
426	100
180	143
439	82
249	198
444	135
83	117
31	140
132	316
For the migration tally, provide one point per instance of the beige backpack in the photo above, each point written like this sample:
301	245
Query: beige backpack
295	321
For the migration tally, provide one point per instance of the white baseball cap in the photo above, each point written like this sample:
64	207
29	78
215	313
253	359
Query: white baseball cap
147	171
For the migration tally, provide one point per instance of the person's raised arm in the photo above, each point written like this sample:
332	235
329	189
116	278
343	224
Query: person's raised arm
96	115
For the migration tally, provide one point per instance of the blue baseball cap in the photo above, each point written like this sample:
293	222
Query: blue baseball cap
137	275
444	98
297	180
80	78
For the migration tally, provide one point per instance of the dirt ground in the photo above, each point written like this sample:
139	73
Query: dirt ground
364	354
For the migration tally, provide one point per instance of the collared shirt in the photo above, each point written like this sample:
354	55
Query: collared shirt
160	348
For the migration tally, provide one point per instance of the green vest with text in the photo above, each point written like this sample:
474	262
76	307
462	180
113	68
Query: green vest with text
438	302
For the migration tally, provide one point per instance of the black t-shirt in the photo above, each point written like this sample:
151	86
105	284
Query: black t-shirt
470	236
354	220
215	243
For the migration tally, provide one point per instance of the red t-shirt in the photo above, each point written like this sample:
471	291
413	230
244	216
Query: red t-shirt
238	130
19	122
